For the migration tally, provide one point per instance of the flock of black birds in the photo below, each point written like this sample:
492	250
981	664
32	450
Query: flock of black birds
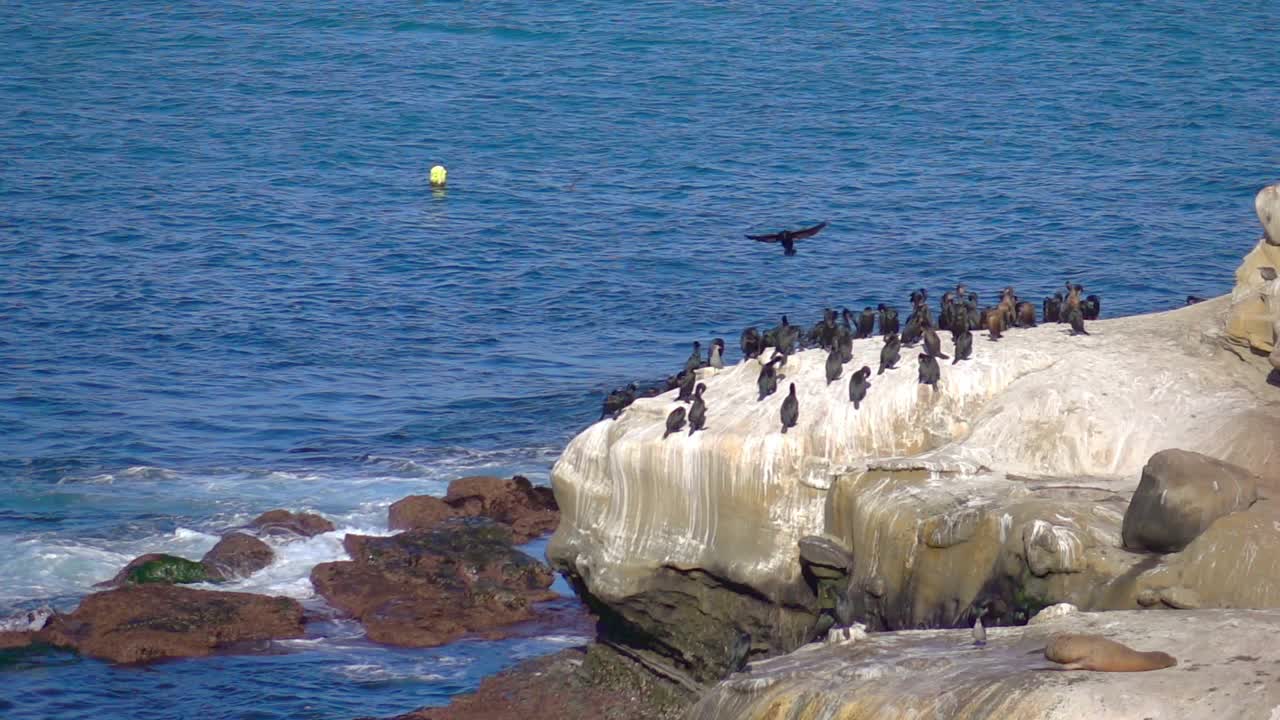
958	313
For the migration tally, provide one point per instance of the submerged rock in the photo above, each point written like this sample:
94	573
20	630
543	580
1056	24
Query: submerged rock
151	622
158	568
1180	495
423	588
285	522
237	555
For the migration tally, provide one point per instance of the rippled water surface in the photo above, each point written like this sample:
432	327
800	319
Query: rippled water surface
227	288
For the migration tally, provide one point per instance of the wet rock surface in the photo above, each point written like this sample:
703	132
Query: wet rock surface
158	568
574	684
423	588
151	622
286	522
529	511
236	555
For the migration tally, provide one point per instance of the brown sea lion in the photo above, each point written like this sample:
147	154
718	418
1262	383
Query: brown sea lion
1094	652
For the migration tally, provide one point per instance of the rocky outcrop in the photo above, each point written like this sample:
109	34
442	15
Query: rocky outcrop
142	623
1227	664
285	522
236	555
1001	492
158	568
529	511
428	587
1254	317
1180	495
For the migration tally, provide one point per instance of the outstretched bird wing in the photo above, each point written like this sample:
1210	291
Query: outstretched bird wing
808	232
794	235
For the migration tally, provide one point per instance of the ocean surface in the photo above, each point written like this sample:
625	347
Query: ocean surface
226	286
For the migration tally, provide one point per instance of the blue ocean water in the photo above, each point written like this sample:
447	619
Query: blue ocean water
226	286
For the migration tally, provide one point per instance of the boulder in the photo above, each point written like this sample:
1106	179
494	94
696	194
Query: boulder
1267	205
142	623
10	639
236	555
530	511
423	588
1227	661
1180	494
284	522
158	568
419	512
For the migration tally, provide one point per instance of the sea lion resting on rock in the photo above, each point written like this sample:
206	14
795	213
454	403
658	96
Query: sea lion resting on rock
1094	652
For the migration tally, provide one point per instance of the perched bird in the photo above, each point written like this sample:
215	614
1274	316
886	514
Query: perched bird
964	345
979	633
698	411
751	343
834	365
788	238
618	400
767	381
844	343
1193	299
695	358
1026	313
717	353
929	371
933	344
858	386
888	319
912	331
1053	308
790	410
890	353
675	421
687	380
1092	307
1076	318
866	323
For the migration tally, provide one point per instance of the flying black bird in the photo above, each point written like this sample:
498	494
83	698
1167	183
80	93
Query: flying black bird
788	238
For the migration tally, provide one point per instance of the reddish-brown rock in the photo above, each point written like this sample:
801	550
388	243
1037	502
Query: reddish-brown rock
529	511
15	638
237	555
283	522
419	512
423	588
138	623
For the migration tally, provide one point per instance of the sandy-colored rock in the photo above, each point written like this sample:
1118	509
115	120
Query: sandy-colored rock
1002	491
1180	494
139	623
423	588
237	555
1267	205
1228	664
285	522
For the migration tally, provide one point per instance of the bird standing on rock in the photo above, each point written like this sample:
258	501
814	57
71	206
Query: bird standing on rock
858	386
888	319
964	345
675	421
767	380
835	365
698	411
717	354
890	353
788	238
933	344
687	380
929	371
695	358
790	410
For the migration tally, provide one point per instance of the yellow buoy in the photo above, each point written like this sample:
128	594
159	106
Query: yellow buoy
438	175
